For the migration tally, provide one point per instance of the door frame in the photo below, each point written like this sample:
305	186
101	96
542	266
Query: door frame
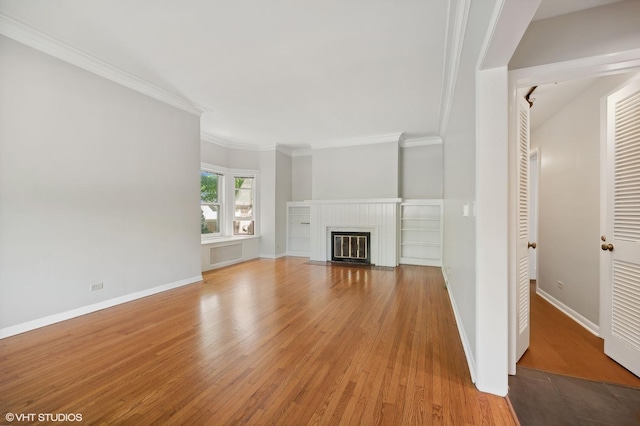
612	344
526	77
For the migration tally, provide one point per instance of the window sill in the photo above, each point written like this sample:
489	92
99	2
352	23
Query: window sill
224	239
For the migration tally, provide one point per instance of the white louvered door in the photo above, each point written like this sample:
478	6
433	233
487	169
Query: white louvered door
621	325
522	256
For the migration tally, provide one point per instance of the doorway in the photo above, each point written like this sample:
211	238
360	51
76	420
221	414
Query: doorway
564	197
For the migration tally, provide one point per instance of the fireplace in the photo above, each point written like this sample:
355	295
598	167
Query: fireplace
353	247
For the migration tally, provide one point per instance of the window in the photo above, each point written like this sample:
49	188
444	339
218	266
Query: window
210	185
243	218
227	202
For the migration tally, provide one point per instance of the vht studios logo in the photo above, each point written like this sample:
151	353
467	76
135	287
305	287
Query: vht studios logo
43	417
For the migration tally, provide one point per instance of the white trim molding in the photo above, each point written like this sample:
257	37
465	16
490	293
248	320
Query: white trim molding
369	140
63	316
217	140
358	201
294	151
22	33
456	26
272	256
588	325
423	141
220	169
591	66
471	361
290	150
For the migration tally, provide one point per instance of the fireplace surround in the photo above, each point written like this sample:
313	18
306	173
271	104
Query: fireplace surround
351	247
378	217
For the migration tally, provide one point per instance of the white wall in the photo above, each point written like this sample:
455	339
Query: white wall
459	252
283	195
421	171
98	183
591	32
244	159
569	215
301	178
355	172
211	153
267	208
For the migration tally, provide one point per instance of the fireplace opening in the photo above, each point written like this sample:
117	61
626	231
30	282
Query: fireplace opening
351	247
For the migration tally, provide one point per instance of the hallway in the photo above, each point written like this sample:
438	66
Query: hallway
560	345
565	377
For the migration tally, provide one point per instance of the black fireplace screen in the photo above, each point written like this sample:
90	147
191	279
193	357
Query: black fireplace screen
350	247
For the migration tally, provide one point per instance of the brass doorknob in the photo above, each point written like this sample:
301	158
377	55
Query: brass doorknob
606	247
531	245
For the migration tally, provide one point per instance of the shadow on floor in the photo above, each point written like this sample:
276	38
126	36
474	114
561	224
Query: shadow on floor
540	398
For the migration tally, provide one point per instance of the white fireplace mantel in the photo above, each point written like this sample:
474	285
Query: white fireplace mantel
377	216
358	201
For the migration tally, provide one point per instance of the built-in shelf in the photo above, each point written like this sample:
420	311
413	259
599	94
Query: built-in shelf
298	228
421	232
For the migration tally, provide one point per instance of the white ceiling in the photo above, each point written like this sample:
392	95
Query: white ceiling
275	72
549	99
269	72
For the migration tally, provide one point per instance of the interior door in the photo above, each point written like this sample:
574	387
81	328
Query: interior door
522	228
533	212
621	241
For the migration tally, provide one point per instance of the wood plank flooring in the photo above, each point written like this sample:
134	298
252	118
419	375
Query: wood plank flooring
264	342
560	345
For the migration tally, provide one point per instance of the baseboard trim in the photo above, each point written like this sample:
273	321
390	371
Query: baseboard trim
63	316
588	325
445	276
471	361
272	256
227	263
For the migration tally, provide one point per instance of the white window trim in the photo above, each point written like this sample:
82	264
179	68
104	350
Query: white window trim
227	202
253	199
221	214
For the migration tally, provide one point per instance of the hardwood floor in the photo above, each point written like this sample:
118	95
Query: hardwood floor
560	345
264	342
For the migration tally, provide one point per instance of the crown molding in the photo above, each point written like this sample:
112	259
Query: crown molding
456	27
284	150
340	143
216	140
24	34
424	141
332	143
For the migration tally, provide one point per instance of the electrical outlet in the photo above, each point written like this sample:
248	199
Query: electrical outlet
560	285
97	286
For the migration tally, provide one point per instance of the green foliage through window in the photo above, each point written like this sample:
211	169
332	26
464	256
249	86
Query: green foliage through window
208	187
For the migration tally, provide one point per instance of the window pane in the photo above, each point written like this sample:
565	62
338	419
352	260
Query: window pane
243	206
209	184
242	227
210	222
244	198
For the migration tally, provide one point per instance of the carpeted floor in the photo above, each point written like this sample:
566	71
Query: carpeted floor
541	398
